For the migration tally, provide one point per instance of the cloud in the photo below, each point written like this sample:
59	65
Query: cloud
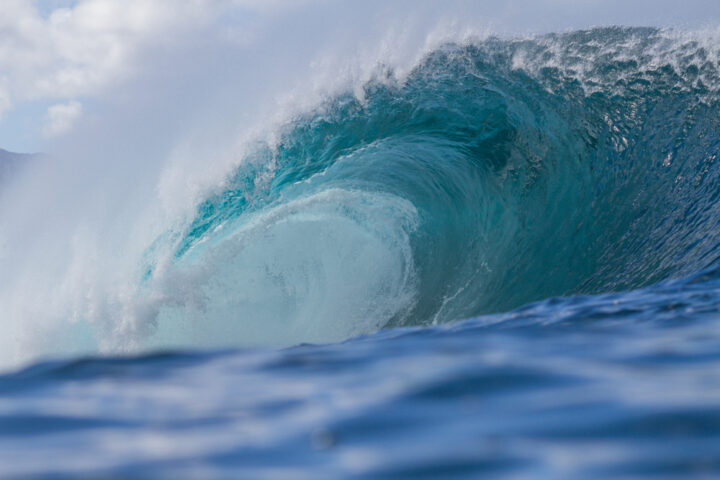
84	49
61	117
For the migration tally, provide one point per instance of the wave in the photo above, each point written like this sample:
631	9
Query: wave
495	173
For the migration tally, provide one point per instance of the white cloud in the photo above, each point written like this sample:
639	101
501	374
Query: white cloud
61	117
85	49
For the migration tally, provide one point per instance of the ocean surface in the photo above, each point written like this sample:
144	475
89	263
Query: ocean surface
501	264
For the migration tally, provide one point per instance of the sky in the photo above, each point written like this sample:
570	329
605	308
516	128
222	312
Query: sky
65	66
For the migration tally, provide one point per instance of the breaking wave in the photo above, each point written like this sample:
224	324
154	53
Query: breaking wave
495	173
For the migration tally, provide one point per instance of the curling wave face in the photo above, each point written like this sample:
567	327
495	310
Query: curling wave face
494	174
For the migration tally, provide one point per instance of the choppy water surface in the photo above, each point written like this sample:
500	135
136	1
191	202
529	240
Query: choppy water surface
611	386
569	180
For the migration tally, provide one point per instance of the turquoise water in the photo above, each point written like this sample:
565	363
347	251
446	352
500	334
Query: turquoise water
502	264
470	187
